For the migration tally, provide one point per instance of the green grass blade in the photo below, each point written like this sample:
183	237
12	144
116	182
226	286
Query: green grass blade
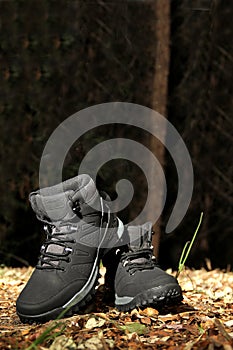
182	254
187	248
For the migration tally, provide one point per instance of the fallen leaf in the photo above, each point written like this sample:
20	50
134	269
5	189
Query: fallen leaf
190	325
165	338
175	326
93	343
149	311
146	320
25	332
94	323
63	343
134	327
229	323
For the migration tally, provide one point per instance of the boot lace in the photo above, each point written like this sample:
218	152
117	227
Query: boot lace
56	247
142	259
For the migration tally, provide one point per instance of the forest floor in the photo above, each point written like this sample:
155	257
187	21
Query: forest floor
204	320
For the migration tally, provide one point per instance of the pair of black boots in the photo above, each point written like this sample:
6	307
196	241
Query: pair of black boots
81	230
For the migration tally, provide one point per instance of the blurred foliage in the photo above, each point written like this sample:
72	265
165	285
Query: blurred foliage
200	106
58	57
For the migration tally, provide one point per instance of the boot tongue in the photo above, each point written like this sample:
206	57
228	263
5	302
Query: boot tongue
140	236
56	207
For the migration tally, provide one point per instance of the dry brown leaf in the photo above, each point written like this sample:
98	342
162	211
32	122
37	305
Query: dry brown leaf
63	343
207	299
229	323
146	320
94	323
149	311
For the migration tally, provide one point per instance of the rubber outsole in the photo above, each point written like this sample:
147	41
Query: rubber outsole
159	297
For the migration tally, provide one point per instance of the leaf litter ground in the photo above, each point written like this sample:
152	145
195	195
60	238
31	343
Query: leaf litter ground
204	320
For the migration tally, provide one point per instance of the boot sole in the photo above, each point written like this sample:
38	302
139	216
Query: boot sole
159	297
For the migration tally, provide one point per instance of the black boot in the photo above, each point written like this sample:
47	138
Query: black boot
139	280
79	233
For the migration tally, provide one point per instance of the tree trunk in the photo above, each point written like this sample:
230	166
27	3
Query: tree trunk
159	97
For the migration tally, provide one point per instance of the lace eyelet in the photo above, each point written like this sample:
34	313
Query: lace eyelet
76	207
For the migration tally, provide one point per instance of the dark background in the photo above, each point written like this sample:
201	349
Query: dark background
58	57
